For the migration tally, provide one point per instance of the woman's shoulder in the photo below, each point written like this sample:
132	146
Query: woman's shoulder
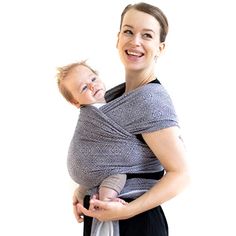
154	92
155	99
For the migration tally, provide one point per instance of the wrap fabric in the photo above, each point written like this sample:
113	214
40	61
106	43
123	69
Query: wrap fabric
105	139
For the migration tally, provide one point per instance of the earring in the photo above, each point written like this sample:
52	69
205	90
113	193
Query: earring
155	58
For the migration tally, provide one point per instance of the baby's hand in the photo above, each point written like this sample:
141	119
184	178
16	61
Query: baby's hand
119	200
91	206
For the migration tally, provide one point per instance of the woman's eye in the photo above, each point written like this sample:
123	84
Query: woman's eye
147	36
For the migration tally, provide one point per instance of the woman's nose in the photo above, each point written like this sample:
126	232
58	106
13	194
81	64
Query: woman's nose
136	40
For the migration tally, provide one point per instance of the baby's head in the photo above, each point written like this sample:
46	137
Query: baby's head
80	84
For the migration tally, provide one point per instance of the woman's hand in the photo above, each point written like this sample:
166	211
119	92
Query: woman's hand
78	214
105	211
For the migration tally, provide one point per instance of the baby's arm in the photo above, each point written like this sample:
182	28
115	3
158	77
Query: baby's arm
111	187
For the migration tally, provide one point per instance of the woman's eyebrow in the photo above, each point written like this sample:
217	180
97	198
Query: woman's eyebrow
129	26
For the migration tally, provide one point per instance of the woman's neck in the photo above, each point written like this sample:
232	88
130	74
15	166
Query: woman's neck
138	79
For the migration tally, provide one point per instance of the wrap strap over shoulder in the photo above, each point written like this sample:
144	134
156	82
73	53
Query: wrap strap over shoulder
145	109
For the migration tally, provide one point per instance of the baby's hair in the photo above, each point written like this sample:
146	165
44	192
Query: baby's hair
63	72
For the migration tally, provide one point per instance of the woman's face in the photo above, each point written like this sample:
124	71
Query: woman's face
139	40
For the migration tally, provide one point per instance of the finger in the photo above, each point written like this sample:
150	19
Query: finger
74	200
91	206
78	214
120	200
85	211
95	196
81	218
99	204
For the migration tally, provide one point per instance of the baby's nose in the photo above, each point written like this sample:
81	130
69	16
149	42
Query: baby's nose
91	86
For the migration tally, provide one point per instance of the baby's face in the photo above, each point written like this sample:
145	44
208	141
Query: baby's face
85	86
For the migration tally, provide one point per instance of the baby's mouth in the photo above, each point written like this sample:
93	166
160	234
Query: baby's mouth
97	92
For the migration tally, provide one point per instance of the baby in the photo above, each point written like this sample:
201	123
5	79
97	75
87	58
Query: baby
81	86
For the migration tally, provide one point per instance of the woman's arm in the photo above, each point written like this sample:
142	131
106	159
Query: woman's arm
168	147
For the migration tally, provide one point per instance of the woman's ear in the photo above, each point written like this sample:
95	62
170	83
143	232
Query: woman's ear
160	50
162	47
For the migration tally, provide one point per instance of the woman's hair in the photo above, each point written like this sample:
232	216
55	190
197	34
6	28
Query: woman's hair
151	10
63	72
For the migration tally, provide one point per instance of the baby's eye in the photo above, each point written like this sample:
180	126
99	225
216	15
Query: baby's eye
84	88
93	79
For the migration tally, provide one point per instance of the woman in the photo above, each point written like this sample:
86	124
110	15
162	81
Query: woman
141	41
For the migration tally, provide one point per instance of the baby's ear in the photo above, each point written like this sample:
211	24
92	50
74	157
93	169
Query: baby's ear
77	104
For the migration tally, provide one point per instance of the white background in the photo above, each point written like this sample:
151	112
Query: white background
37	123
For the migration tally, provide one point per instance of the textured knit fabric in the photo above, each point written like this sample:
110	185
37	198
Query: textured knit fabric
105	142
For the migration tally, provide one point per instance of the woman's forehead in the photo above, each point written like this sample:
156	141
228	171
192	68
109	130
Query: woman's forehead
138	19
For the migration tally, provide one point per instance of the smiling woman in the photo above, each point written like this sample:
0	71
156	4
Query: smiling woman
139	36
197	67
149	143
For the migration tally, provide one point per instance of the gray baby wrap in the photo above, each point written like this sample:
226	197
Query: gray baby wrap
105	139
